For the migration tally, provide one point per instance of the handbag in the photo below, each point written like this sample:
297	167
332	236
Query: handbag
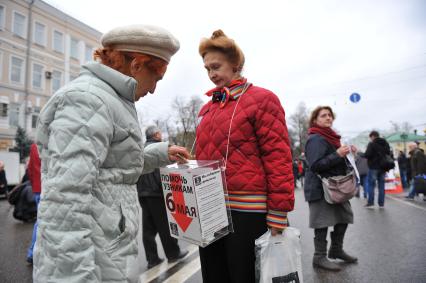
338	189
420	184
279	258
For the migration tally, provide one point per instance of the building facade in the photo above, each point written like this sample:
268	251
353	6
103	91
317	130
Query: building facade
41	49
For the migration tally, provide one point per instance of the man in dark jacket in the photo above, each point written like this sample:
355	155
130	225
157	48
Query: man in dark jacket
403	167
3	180
418	166
377	149
154	215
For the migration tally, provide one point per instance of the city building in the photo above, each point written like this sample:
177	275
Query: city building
41	49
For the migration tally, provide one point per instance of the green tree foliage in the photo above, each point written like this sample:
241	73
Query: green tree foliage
23	144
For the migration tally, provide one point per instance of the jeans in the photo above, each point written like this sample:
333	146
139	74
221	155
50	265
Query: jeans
403	174
34	237
412	191
364	184
379	176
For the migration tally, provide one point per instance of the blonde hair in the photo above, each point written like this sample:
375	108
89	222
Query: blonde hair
118	60
221	43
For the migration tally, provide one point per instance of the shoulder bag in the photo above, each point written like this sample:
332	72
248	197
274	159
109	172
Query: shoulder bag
338	189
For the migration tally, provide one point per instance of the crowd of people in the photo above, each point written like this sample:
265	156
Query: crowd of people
92	219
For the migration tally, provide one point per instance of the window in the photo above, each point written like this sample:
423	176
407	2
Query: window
37	76
3	109
16	70
19	24
58	41
74	48
39	33
34	117
56	80
14	114
2	17
88	55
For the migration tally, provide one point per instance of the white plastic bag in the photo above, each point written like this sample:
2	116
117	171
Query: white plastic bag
279	258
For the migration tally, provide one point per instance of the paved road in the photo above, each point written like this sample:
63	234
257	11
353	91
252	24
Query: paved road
390	244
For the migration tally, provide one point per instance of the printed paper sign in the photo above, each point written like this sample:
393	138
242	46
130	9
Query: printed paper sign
195	203
211	203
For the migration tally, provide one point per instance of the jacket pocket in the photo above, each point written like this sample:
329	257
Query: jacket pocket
115	243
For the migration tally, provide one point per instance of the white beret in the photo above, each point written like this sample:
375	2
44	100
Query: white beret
151	40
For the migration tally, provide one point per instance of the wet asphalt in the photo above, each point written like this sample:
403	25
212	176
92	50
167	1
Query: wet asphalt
390	244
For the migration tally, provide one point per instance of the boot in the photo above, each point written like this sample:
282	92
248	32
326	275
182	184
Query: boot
336	249
320	259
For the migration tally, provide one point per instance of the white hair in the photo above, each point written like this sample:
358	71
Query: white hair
151	131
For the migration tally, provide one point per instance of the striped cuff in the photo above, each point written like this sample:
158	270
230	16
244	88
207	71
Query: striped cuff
276	219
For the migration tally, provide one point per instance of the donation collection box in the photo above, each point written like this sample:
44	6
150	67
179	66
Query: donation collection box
195	197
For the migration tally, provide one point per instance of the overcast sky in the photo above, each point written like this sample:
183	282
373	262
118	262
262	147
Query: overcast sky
318	52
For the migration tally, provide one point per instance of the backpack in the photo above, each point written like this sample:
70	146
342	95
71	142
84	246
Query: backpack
386	162
15	193
23	200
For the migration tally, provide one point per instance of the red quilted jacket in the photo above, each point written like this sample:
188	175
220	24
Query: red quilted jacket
259	172
34	165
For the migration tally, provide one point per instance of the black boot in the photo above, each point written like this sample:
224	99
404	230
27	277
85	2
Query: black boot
336	249
320	259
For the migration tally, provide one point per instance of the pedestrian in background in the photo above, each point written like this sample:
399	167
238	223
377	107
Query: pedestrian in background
154	214
295	172
245	126
92	155
362	166
34	176
418	167
3	180
326	157
403	167
301	170
376	151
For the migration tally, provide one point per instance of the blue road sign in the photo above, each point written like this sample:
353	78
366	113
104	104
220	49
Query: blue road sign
355	97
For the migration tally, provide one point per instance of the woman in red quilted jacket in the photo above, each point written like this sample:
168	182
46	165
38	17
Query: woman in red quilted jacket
245	126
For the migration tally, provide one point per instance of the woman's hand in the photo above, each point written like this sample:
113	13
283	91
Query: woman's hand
178	154
354	149
343	150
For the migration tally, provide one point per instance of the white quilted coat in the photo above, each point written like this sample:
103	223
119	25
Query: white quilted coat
92	155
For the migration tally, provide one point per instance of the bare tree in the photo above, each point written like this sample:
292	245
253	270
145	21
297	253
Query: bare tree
404	127
187	117
298	122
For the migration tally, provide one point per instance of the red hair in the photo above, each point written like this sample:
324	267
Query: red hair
119	60
221	43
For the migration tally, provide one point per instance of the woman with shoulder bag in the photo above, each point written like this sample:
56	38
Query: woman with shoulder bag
326	158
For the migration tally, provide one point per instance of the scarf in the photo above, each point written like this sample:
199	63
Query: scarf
232	91
328	133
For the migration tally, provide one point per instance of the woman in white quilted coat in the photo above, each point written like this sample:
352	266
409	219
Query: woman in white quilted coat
92	155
